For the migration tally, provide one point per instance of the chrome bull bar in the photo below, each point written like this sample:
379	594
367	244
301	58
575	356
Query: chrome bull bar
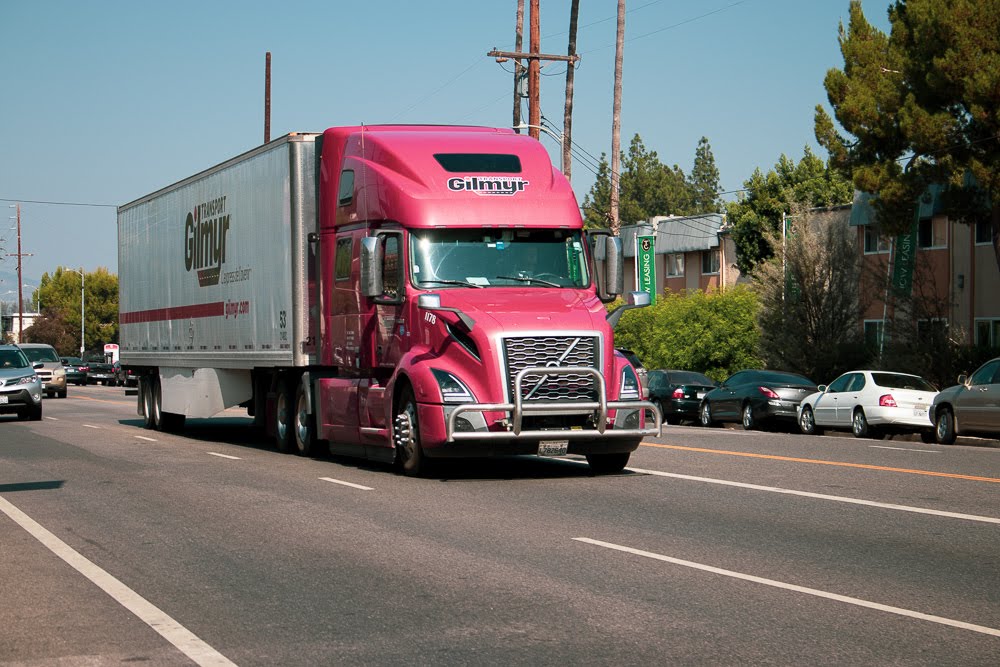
519	409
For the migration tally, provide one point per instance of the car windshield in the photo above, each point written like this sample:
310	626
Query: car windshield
442	258
897	381
13	359
40	353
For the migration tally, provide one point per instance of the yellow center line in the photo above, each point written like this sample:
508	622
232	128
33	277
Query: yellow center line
841	464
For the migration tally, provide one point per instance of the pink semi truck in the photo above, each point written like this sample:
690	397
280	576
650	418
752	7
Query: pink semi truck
398	293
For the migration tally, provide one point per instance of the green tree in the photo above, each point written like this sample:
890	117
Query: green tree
711	332
769	197
59	294
647	188
703	183
810	304
921	105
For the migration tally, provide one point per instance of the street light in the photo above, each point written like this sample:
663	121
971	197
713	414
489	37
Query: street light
83	280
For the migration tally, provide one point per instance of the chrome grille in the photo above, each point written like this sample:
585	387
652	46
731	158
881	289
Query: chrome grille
554	351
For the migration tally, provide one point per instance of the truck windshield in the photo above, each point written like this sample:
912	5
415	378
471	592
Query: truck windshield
442	258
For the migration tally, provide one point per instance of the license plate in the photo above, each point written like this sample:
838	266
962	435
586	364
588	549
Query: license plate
3	400
553	447
919	412
701	394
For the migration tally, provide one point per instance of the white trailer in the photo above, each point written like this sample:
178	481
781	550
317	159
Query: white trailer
213	282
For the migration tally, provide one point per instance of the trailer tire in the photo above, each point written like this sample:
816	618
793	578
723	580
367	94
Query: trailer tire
148	398
284	426
410	459
304	425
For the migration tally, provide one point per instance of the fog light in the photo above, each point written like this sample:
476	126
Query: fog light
463	425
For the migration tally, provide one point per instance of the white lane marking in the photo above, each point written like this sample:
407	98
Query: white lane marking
350	484
225	456
142	437
91	426
905	449
175	633
54	419
822	496
798	589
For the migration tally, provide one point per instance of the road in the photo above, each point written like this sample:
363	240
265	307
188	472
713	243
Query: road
715	547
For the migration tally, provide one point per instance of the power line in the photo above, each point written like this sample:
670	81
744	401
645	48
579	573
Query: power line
59	203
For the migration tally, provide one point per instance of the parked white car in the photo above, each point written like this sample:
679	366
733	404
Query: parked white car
871	404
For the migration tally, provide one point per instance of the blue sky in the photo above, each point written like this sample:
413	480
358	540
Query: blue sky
103	102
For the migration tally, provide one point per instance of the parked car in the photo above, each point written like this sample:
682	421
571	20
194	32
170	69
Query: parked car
678	393
20	386
125	377
754	396
871	404
970	407
51	371
76	370
640	370
100	372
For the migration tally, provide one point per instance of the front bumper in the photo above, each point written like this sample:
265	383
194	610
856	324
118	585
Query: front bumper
27	396
616	425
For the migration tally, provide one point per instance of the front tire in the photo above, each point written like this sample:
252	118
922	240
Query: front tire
807	422
410	459
748	420
944	427
705	414
608	464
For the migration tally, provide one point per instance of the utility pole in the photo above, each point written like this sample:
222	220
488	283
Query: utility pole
567	138
534	59
20	278
518	40
616	121
267	97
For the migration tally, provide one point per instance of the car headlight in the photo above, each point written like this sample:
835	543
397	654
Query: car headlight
27	379
631	390
59	371
452	389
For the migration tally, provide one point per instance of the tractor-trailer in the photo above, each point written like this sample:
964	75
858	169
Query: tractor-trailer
399	293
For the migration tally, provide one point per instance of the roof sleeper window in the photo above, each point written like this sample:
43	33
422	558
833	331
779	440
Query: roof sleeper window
484	163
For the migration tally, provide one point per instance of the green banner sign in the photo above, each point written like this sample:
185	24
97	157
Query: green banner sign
904	259
645	266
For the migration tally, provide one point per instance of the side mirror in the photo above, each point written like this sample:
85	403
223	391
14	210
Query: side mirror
632	300
963	378
614	266
821	388
371	266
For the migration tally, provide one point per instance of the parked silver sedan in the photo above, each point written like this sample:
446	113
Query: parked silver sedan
970	407
871	404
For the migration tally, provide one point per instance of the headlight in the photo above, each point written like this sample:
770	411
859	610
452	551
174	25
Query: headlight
59	371
28	379
630	386
452	389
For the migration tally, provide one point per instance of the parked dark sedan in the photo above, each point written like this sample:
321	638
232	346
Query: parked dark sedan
753	396
678	393
76	370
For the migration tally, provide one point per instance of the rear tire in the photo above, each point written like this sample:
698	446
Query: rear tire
148	410
944	427
304	425
608	464
859	425
284	427
748	420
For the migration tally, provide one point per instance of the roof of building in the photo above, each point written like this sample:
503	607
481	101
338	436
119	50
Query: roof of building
676	234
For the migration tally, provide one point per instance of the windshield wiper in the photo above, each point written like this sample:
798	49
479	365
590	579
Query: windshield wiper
449	282
525	279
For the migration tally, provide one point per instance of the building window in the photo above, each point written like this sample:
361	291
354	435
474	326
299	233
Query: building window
988	332
874	332
932	233
675	264
875	241
934	328
984	232
710	261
